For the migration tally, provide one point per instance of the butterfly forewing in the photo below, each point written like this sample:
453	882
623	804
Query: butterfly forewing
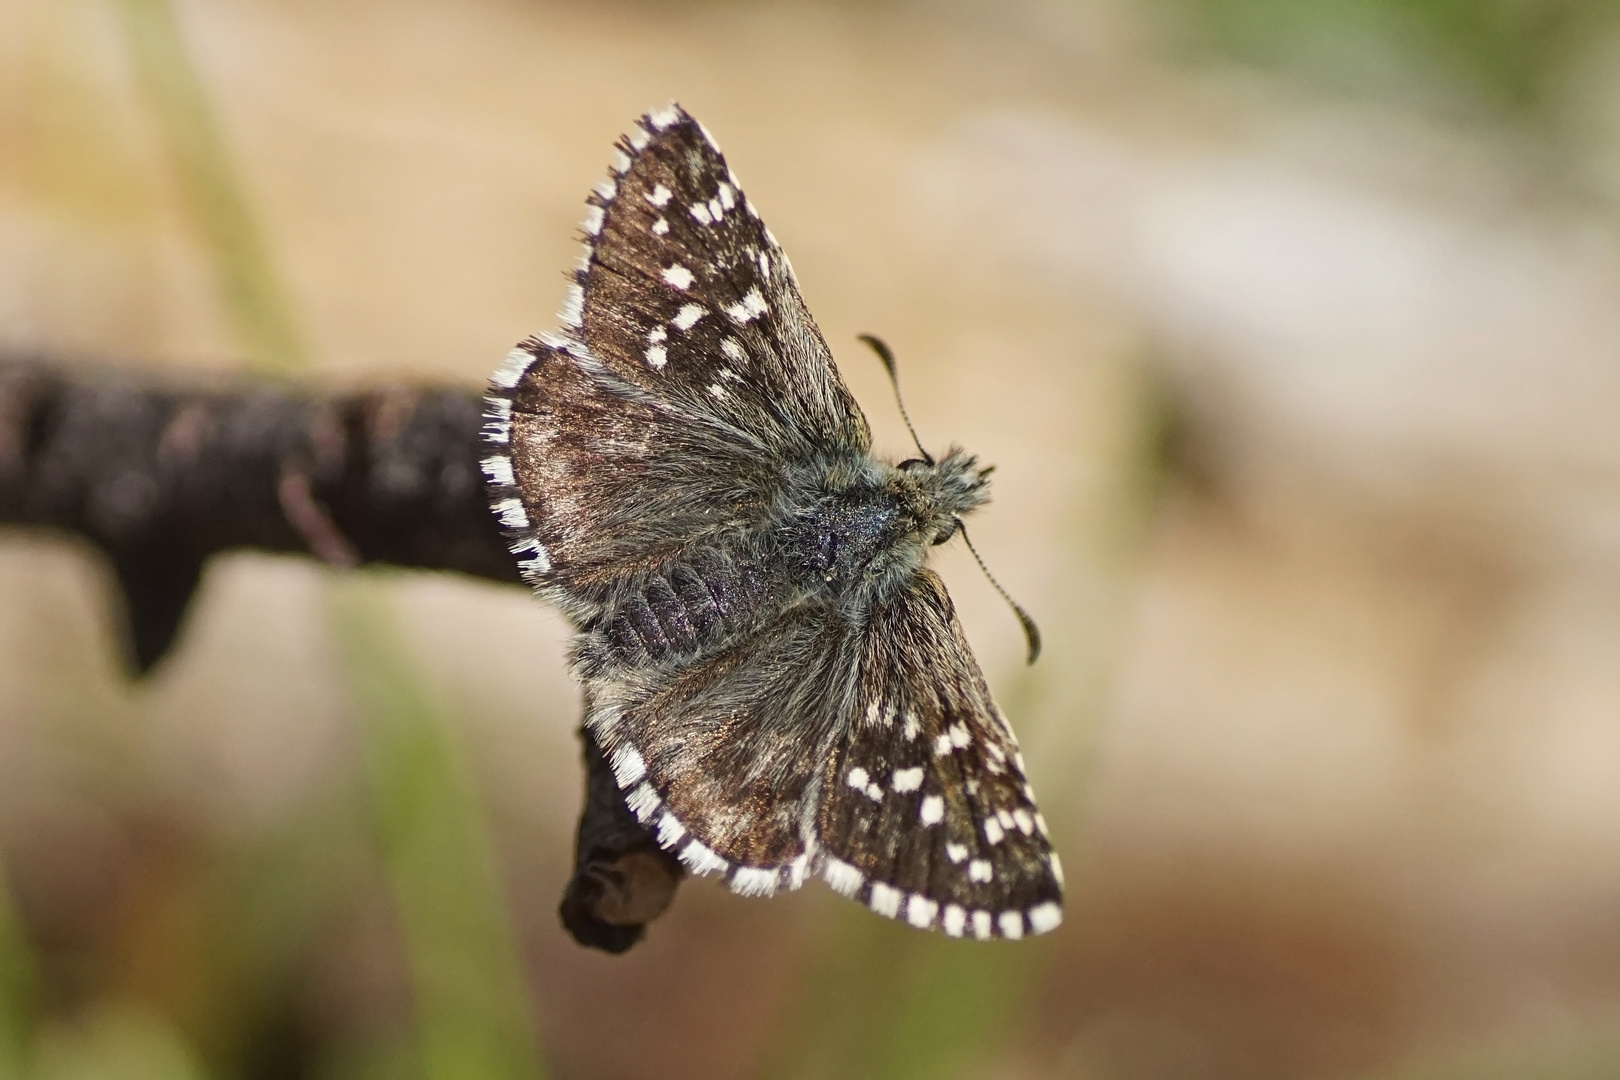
591	480
686	293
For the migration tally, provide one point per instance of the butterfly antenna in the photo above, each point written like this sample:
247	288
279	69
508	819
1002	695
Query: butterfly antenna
882	350
1032	633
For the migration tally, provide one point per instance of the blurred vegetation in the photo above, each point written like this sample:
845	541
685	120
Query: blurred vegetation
472	1006
259	909
250	288
1504	56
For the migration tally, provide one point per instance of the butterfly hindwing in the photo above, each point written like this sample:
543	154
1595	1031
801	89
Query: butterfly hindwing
925	813
720	759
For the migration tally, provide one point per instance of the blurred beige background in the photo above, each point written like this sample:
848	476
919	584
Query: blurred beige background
1301	367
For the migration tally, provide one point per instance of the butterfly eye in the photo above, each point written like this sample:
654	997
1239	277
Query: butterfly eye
950	531
913	464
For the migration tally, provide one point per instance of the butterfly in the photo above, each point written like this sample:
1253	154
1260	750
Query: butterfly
778	680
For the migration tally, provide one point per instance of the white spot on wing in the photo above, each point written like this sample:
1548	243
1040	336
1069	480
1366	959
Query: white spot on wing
497	430
539	560
656	356
959	735
1012	925
750	307
955	920
642	802
593	220
979	870
908	779
678	276
796	870
716	211
992	830
664	117
508	374
511	513
754	881
844	878
660	227
700	213
955	852
718	391
656	335
573	308
874	792
733	349
687	317
981	925
498	467
628	765
920	911
942	745
1056	864
728	196
621	162
606	189
1005	819
886	899
858	778
670	831
639	138
1025	823
932	811
701	860
1045	917
912	725
659	196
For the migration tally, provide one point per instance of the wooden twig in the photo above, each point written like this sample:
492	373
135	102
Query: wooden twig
160	476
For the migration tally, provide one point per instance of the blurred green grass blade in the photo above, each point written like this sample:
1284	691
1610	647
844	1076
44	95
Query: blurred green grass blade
269	907
219	203
116	1043
886	1002
18	974
1507	53
472	1004
961	1001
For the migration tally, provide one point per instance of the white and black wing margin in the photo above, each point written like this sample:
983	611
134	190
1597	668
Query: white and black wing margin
873	756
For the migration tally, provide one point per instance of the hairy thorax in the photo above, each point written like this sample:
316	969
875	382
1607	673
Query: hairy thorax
843	533
854	529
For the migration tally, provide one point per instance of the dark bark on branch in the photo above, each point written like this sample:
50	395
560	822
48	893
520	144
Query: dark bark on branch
160	476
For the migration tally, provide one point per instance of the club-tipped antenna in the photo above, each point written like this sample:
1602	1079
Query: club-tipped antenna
876	345
1032	633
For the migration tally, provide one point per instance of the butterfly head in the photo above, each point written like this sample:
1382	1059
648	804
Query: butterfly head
939	493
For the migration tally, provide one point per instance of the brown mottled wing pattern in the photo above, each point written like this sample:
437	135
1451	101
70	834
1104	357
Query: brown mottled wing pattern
686	368
721	759
925	813
632	456
686	293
